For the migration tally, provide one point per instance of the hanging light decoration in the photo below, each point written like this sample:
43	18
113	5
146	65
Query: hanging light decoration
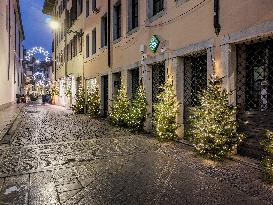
37	50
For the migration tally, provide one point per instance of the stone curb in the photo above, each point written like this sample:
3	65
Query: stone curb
9	126
236	158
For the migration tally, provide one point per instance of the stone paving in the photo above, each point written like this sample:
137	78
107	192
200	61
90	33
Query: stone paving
55	157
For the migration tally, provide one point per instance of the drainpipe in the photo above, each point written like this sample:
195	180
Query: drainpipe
109	33
217	26
9	42
55	58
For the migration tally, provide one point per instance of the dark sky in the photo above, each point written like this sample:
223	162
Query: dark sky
37	31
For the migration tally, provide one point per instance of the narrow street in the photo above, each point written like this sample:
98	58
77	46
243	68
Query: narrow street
56	157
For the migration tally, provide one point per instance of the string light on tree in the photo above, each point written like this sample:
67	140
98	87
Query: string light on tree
213	130
165	113
79	106
267	162
93	102
137	111
120	108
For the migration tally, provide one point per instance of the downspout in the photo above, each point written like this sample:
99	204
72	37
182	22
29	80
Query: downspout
9	42
55	57
217	26
109	33
15	48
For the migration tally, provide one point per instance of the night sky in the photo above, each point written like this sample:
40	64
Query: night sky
37	31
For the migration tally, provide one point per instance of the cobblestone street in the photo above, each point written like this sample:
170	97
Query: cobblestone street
55	157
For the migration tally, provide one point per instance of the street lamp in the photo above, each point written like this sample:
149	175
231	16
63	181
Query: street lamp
54	24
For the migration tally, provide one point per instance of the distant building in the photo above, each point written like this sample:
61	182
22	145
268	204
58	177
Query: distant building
11	55
146	41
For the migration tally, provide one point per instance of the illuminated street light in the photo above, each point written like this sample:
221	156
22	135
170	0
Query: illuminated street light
54	25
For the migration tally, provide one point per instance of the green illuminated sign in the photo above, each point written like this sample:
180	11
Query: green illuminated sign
154	43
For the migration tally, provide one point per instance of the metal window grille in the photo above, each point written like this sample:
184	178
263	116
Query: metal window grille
158	79
158	5
105	95
134	14
195	79
135	80
116	83
255	76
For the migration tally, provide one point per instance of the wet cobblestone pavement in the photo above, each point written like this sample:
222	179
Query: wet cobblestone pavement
55	157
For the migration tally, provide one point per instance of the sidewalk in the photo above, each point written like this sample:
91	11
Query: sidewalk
7	117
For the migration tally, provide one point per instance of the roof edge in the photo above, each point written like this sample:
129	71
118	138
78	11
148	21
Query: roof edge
48	7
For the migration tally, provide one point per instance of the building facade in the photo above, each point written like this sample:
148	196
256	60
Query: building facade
11	56
148	41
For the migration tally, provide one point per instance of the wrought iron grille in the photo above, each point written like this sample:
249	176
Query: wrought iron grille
105	95
117	83
158	79
255	76
195	74
135	80
195	79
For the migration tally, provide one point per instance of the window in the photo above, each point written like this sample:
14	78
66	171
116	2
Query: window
80	42
132	14
134	81
94	5
64	5
104	30
73	11
158	5
71	49
87	45
53	46
87	7
94	41
79	7
75	49
154	7
117	21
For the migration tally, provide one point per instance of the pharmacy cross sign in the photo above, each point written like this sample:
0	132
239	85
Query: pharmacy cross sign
154	43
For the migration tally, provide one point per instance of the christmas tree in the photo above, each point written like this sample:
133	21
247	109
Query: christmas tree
120	108
165	113
55	89
137	111
267	162
93	102
78	108
213	123
68	89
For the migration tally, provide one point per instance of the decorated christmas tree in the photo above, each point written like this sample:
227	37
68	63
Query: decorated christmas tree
165	113
137	111
78	108
93	102
213	123
68	89
120	108
55	89
267	162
